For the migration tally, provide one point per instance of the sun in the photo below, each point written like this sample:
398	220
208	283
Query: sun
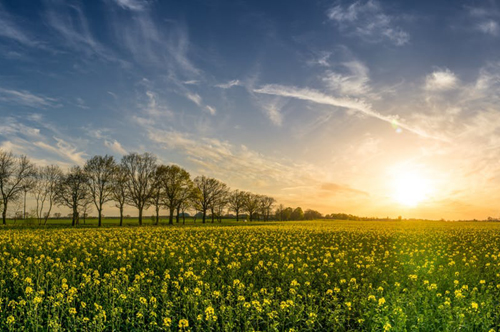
410	188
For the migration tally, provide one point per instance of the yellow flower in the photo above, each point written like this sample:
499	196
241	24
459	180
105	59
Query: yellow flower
11	320
28	290
183	323
72	311
381	301
167	322
474	305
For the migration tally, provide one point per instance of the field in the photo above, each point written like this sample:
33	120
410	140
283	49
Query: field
299	276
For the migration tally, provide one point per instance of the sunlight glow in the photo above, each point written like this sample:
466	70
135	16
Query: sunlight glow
410	188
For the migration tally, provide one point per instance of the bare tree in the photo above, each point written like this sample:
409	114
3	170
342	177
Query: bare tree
266	204
140	169
73	191
252	202
44	191
207	191
177	184
184	200
158	191
16	174
119	189
86	207
100	171
220	204
236	201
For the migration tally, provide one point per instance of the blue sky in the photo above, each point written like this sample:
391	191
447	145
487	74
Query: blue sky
323	104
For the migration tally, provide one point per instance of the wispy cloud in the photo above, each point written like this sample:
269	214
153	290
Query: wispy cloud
441	80
71	24
246	168
9	29
211	110
155	107
195	98
368	20
26	98
229	84
347	103
152	42
354	81
134	5
489	27
63	149
115	146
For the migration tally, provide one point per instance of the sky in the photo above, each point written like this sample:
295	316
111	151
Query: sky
374	108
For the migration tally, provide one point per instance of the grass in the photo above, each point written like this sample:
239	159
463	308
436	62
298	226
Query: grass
307	276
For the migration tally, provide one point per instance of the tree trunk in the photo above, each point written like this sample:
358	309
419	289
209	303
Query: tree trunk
237	215
157	214
171	216
73	220
204	215
121	216
48	214
100	217
177	216
183	217
140	216
212	210
4	213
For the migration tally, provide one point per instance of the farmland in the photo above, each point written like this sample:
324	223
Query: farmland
318	275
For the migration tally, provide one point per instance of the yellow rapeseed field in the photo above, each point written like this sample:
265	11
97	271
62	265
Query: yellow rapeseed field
307	276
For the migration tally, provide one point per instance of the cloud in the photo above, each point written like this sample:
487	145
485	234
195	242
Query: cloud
163	44
354	82
115	146
348	103
229	84
194	97
489	27
367	19
9	29
71	24
211	109
441	80
154	107
134	5
63	149
26	98
238	164
337	188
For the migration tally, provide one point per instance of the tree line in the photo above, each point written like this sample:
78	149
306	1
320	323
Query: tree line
138	180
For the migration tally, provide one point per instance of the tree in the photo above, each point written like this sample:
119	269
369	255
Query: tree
100	171
312	214
119	189
220	204
158	191
297	214
16	174
72	191
236	201
207	191
140	170
266	204
252	202
280	212
287	213
177	186
44	190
